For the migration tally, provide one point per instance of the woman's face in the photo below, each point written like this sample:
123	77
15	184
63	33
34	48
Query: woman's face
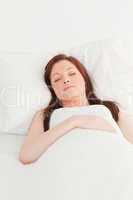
67	82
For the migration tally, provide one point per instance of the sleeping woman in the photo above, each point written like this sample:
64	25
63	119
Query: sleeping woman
70	85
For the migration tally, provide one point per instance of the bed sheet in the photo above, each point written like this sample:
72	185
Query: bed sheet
83	164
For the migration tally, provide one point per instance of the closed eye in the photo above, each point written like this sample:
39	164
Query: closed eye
71	74
57	80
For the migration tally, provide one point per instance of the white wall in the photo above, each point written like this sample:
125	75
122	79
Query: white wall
46	25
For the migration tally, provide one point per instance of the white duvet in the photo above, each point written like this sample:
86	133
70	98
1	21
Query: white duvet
84	164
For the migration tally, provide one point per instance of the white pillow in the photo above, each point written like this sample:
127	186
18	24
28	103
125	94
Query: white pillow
110	65
23	92
113	75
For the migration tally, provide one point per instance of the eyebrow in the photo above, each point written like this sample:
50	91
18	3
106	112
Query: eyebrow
67	69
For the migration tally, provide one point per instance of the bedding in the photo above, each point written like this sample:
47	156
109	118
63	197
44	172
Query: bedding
83	164
23	90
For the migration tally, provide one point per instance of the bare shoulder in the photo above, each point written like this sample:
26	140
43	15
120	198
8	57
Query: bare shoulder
36	125
124	115
39	113
125	123
37	117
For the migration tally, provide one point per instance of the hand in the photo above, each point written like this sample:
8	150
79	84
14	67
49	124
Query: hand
92	122
85	121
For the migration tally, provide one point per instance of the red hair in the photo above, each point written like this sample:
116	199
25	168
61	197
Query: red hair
90	94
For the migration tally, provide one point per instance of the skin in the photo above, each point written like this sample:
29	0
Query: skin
63	74
38	141
76	96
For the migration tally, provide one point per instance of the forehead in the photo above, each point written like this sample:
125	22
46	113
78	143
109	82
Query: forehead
62	66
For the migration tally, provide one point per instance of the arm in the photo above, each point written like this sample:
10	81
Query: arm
125	123
94	122
37	141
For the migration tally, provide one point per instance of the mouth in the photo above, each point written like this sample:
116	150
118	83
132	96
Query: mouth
66	88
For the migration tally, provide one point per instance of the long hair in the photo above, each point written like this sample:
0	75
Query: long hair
90	94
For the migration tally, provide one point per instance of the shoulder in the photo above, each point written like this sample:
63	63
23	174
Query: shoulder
125	123
124	115
37	118
36	125
40	112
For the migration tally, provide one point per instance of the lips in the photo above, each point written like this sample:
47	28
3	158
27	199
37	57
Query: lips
68	87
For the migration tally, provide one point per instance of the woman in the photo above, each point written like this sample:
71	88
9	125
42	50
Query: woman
70	85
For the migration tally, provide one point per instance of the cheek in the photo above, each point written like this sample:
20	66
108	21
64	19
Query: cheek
57	88
80	81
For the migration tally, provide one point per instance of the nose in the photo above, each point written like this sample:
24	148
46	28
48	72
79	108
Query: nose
66	81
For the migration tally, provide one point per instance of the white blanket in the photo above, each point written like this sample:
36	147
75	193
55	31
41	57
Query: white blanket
83	164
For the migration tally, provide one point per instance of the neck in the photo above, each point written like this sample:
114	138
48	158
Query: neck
75	102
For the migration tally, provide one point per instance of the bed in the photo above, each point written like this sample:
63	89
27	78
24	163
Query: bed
84	164
100	169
